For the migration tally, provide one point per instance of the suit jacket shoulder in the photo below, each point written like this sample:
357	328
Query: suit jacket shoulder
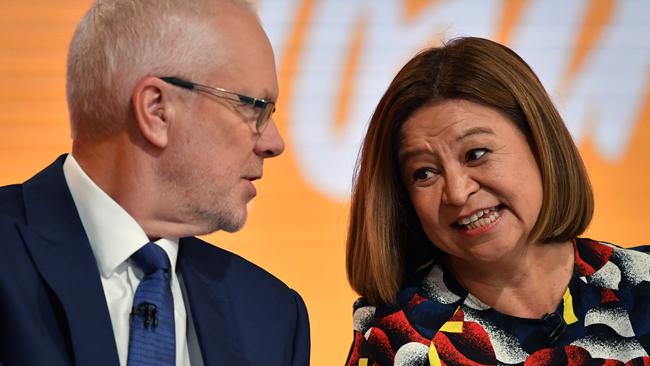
265	321
11	203
52	309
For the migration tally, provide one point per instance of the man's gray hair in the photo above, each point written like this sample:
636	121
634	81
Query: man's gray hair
119	42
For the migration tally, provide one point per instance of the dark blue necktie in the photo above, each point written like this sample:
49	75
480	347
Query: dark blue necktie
153	339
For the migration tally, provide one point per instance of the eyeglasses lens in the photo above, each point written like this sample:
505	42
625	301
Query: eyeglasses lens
264	117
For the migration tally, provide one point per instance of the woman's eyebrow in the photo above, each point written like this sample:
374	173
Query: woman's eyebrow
407	154
474	131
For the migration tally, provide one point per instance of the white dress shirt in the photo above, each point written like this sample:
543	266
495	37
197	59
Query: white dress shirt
114	236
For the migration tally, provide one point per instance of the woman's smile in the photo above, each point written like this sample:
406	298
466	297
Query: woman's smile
480	222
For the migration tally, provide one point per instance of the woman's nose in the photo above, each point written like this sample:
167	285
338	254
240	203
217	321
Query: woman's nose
459	186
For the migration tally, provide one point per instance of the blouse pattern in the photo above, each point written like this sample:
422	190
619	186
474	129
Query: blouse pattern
604	319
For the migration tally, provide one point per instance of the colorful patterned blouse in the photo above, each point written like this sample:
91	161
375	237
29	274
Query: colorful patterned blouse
603	320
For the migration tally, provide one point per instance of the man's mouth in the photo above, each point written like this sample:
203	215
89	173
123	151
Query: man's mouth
253	178
479	218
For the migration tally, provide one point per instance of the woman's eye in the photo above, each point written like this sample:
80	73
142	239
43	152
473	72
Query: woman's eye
422	174
475	154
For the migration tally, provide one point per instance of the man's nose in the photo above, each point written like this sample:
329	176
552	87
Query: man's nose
270	143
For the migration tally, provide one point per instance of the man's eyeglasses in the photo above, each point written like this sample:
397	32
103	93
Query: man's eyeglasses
259	109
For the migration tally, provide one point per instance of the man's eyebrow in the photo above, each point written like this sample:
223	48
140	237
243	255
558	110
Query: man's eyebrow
474	131
267	95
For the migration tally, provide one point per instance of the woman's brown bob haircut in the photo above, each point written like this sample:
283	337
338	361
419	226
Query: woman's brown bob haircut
385	240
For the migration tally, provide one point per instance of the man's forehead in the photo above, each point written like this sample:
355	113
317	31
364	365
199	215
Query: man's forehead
247	62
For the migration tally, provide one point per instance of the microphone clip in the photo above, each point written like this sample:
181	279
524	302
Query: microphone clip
558	324
148	311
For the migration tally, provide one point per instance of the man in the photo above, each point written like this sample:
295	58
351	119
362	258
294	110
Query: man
92	270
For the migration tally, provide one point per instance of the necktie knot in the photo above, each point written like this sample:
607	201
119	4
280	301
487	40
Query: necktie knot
151	258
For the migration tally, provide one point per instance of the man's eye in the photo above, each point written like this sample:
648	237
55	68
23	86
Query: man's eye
248	111
423	174
475	154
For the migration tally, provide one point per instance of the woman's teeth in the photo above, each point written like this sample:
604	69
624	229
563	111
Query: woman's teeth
480	218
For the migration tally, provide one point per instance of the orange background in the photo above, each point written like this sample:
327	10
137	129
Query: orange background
294	231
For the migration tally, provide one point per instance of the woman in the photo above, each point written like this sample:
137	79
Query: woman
468	202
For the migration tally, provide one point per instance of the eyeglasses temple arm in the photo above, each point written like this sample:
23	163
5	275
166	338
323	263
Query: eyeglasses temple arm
178	82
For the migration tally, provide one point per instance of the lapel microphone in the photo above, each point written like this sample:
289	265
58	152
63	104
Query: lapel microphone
148	311
558	325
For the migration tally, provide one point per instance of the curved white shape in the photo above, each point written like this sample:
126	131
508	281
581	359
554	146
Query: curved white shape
412	354
434	287
635	266
506	347
608	276
366	335
621	349
616	318
363	317
474	303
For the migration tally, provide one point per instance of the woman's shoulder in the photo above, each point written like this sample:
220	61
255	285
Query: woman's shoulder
380	318
420	309
610	265
435	309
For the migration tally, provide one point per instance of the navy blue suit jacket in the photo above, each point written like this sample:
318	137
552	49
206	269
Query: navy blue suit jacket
52	305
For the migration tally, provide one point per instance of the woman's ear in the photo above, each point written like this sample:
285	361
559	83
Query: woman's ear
153	110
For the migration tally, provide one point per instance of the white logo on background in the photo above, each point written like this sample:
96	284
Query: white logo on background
602	102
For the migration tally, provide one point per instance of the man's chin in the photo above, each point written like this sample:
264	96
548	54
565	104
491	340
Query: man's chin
230	222
233	223
233	228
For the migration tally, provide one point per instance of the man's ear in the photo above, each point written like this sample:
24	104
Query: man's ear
153	110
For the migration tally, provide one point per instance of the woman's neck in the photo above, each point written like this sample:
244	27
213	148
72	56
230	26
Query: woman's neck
527	284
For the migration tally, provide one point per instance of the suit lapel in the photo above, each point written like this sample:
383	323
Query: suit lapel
204	275
57	241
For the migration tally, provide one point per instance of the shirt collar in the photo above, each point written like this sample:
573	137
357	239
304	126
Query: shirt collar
113	234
